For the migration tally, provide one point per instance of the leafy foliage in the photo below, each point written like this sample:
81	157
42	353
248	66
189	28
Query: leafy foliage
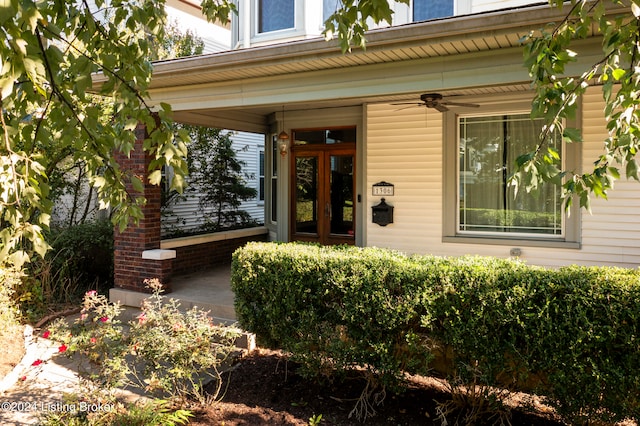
114	413
568	334
10	278
84	251
349	22
81	258
49	53
164	351
547	56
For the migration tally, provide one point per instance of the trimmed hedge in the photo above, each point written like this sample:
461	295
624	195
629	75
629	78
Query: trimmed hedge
570	334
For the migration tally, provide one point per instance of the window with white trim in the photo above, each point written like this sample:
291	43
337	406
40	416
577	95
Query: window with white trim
479	157
424	10
328	8
275	15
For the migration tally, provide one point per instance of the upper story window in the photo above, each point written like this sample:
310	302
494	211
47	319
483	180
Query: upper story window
431	9
274	15
328	8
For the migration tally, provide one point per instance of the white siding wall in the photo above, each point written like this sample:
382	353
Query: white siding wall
478	6
215	38
186	214
254	143
404	147
612	233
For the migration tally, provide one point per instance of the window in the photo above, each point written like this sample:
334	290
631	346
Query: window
325	136
480	207
274	15
328	8
424	10
488	148
261	176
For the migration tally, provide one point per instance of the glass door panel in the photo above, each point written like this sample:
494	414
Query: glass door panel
306	195
341	194
323	209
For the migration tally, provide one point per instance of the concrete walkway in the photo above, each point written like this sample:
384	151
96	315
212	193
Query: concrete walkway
37	385
209	290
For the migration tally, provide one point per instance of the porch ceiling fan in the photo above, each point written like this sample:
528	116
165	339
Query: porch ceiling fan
436	101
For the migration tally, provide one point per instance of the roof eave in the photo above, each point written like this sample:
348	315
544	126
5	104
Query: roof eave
532	17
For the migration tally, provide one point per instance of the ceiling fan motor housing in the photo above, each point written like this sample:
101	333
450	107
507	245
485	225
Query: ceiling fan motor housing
431	97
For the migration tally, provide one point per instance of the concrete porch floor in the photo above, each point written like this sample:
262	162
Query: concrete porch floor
208	289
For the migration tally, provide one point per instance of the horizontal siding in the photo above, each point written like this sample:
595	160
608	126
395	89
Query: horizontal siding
613	229
478	6
404	147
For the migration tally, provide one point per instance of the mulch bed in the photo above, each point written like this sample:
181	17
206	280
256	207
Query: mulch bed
264	389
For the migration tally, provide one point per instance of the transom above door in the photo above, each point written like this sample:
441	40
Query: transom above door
323	185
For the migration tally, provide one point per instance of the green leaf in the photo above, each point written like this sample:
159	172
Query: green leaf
572	135
155	177
618	74
632	169
137	184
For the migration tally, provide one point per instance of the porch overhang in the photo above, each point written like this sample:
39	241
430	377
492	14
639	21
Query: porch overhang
466	55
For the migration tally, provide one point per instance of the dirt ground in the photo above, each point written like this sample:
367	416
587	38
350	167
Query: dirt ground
11	349
264	389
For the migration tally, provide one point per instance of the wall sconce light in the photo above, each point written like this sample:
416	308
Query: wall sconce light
283	138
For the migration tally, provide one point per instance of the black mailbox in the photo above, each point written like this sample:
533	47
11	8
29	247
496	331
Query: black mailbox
382	213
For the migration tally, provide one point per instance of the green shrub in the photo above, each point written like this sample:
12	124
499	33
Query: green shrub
569	334
84	251
80	259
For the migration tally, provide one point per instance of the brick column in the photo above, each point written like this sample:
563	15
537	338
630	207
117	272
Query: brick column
137	254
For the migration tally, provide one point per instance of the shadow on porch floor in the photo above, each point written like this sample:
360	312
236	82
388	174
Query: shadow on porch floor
208	289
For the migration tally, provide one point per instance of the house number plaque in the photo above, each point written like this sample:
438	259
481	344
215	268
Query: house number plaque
383	189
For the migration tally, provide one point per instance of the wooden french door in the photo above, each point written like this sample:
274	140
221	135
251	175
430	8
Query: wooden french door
323	188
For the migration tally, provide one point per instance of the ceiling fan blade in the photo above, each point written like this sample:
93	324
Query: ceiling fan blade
462	104
441	107
408	103
407	107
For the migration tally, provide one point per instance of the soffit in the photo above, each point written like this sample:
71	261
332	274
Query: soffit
469	56
439	38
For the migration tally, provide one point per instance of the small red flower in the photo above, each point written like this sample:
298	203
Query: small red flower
62	348
93	340
104	319
46	334
37	362
142	318
23	378
92	293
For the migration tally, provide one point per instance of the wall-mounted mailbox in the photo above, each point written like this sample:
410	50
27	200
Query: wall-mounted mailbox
382	213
